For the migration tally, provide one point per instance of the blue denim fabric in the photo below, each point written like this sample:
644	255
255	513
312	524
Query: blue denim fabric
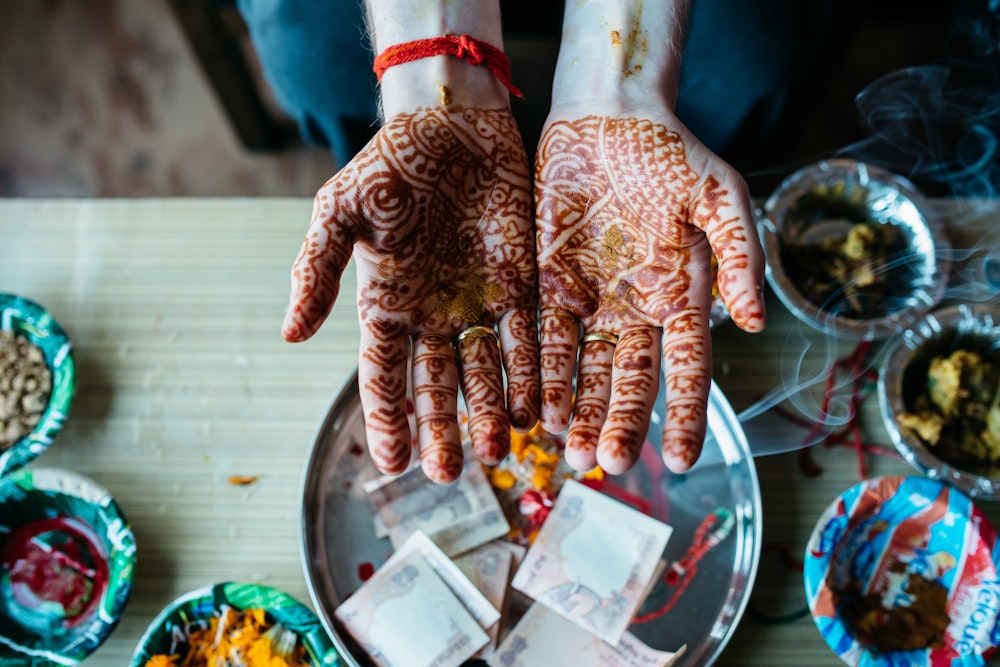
741	61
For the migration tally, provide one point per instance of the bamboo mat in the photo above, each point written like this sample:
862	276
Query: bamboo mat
174	307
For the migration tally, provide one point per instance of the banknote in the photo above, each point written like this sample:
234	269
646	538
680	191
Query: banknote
457	517
543	637
592	560
517	552
475	599
378	524
406	616
489	568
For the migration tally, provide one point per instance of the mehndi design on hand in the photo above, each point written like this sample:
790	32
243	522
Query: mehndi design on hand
626	228
437	212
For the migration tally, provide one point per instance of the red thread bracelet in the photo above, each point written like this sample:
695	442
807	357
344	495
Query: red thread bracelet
471	50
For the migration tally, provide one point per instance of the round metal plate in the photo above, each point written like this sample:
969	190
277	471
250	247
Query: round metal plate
339	543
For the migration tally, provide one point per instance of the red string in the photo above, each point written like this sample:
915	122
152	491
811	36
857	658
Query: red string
712	530
471	50
850	434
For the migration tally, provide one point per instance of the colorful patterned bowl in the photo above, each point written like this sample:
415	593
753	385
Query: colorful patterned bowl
192	611
903	571
28	319
67	557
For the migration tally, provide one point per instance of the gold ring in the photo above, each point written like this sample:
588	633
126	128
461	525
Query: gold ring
476	332
600	335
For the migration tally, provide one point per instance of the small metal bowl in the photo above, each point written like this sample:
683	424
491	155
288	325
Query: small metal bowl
823	202
902	379
67	559
170	630
30	320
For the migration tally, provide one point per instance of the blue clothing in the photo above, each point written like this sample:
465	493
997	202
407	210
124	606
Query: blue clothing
316	57
741	62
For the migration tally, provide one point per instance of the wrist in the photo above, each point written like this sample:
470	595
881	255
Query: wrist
444	80
622	50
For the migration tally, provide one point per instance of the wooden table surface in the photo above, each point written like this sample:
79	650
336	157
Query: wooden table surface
174	307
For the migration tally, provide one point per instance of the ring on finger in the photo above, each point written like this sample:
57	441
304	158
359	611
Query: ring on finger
474	332
600	335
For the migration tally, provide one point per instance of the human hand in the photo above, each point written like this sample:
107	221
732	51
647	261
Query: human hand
629	209
437	212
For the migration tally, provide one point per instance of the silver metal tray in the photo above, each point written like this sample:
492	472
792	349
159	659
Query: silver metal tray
338	538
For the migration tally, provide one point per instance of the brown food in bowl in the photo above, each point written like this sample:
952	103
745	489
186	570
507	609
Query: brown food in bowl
957	415
25	387
919	624
847	268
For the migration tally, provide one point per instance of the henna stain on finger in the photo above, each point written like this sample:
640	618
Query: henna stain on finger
521	362
441	463
482	384
558	357
634	391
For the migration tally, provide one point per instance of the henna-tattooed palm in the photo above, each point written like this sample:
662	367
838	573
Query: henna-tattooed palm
628	213
437	212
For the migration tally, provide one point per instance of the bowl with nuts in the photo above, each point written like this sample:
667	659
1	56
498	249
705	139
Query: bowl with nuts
939	395
37	380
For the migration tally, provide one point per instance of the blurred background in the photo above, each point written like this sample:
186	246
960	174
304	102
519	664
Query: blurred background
140	98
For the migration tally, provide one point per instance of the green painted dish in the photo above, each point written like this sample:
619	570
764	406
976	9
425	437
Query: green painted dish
193	610
67	558
28	319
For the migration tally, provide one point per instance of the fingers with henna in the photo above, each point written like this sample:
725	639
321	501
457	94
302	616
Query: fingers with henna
519	341
315	276
593	392
559	344
382	386
635	381
435	402
723	212
688	362
482	386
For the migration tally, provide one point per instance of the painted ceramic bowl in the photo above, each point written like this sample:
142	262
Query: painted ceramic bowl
67	557
903	571
939	395
853	250
23	320
294	628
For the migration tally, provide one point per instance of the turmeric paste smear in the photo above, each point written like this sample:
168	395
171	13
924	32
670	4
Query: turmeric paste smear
238	639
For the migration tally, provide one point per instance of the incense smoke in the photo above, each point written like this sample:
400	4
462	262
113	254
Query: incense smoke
938	125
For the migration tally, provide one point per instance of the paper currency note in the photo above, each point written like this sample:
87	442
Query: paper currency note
483	609
517	552
489	568
592	560
457	517
543	637
405	616
378	524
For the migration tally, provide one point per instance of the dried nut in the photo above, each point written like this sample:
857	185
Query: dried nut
25	387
